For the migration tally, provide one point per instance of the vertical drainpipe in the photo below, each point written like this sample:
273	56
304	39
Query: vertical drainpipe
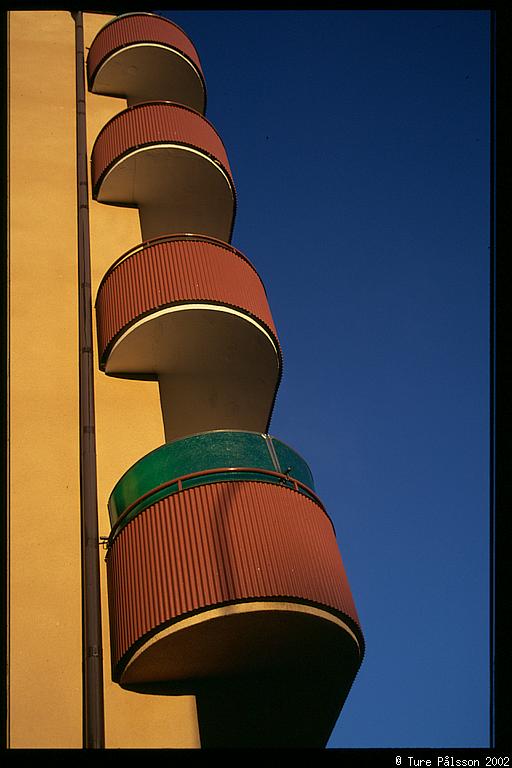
92	655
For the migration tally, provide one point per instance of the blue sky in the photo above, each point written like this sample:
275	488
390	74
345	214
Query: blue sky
359	145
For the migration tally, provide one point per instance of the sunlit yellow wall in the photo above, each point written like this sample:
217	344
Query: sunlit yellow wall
45	590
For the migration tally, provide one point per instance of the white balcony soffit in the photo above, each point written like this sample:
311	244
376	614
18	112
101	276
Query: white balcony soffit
151	72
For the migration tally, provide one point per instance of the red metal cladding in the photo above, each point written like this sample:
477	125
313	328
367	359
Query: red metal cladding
158	122
176	270
137	28
217	544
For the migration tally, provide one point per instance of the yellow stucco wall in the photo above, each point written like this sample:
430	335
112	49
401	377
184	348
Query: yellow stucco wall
45	592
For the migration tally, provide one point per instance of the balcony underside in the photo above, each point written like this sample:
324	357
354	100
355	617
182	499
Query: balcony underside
177	189
145	57
263	673
149	72
217	368
227	641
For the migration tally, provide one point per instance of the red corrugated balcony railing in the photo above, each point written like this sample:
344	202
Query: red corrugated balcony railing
224	550
192	312
146	57
225	581
169	161
176	269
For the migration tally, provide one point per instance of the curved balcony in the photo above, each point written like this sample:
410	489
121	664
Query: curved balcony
146	57
192	312
231	574
168	161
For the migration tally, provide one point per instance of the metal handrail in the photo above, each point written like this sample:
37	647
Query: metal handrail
297	485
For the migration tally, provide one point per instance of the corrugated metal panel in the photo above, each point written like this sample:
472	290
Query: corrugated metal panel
216	544
177	270
158	122
140	28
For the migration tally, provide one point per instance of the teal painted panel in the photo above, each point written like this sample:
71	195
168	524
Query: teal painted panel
292	464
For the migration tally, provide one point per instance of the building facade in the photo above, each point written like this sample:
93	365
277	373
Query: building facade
220	601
